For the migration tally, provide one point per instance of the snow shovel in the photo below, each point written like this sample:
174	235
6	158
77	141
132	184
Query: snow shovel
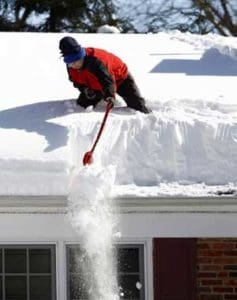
88	156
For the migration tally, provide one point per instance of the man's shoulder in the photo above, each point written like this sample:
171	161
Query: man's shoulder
92	51
95	57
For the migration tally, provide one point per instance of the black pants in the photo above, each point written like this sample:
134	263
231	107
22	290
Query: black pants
128	90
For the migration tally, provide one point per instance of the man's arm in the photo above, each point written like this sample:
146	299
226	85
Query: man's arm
105	78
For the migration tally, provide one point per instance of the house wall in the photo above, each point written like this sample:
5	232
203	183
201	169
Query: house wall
52	228
195	269
179	225
217	269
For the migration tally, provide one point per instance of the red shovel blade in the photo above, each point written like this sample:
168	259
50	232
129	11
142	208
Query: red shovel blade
88	159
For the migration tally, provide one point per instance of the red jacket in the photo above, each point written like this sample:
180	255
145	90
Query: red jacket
101	71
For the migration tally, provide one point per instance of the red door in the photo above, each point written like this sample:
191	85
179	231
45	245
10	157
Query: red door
174	268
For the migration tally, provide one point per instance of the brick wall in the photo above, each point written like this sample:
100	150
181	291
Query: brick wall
217	269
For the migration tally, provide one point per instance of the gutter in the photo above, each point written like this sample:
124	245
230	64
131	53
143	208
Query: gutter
48	204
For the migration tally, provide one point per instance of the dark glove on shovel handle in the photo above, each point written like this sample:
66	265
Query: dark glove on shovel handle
111	100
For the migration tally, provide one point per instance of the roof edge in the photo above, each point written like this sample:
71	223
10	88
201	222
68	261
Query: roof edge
57	204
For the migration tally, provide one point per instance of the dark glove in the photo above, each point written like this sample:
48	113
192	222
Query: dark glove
110	99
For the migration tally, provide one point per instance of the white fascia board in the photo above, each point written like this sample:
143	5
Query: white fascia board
58	204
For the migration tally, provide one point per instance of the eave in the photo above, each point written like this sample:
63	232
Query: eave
57	204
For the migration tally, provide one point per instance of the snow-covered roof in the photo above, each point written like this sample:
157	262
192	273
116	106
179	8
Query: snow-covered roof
186	147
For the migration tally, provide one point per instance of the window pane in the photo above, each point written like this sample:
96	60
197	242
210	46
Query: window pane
40	261
40	288
130	273
77	265
15	261
0	263
128	288
128	260
15	287
77	288
0	287
75	259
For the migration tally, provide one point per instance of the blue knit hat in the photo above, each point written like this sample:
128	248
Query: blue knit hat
71	50
74	56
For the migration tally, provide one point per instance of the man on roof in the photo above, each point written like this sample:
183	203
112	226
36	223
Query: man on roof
99	75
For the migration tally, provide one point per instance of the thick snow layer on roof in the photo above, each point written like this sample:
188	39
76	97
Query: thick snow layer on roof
187	146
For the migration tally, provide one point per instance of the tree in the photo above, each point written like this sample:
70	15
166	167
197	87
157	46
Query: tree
58	16
5	15
220	15
196	16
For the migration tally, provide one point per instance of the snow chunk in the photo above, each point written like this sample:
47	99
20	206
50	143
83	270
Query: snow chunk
108	29
90	212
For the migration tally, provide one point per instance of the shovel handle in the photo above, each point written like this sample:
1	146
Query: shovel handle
109	106
88	157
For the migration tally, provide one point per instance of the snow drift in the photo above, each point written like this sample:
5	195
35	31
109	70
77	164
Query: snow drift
188	142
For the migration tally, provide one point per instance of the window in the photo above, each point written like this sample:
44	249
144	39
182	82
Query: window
130	266
130	259
76	287
27	272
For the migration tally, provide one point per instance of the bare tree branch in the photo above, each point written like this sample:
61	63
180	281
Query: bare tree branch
197	16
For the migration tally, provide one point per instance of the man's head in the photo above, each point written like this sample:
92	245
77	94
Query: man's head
73	53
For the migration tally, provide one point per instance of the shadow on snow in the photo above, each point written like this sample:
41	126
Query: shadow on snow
212	63
34	118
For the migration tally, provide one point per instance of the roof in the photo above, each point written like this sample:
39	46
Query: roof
185	148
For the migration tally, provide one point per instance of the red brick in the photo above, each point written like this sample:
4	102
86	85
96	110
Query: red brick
232	240
223	245
204	290
210	267
216	263
203	246
206	274
204	260
210	253
231	253
222	274
230	297
224	260
209	240
223	289
211	297
230	282
210	282
230	267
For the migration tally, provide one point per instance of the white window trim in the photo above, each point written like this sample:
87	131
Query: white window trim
35	244
148	263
